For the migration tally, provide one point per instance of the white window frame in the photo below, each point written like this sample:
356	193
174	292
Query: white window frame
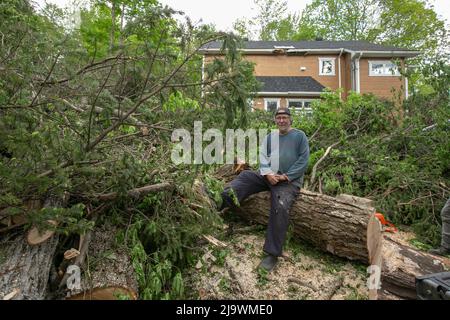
384	63
303	109
266	100
333	66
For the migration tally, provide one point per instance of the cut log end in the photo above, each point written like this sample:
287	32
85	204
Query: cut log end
35	237
112	275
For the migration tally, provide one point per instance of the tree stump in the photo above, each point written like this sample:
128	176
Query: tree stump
107	271
25	269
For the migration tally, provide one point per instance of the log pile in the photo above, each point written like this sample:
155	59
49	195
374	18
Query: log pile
346	226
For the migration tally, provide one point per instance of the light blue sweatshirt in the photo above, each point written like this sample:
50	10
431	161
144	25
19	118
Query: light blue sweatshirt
290	158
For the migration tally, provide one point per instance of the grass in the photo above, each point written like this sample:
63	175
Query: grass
420	245
262	277
224	285
220	255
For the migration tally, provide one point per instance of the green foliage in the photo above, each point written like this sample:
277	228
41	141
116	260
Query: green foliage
385	153
214	187
233	94
221	255
161	239
177	102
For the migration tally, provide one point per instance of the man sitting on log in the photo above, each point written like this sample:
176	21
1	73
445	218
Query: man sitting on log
283	159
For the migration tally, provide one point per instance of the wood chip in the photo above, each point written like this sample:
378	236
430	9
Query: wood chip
144	131
302	283
214	241
11	295
71	253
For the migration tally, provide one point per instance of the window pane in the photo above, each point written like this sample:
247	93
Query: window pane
307	111
272	106
327	66
377	68
307	105
384	68
295	104
391	68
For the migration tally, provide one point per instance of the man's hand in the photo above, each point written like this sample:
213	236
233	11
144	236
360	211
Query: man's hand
272	178
281	177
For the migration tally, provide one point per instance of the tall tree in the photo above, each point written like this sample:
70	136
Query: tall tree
406	23
271	21
412	24
340	19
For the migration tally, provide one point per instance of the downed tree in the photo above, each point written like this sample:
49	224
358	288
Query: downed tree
402	264
107	271
346	226
25	270
338	226
343	226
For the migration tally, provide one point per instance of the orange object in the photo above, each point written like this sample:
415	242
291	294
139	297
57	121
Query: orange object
389	226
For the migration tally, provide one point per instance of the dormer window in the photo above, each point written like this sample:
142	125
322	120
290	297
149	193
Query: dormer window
327	66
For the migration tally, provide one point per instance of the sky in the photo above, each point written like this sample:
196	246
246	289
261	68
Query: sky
223	13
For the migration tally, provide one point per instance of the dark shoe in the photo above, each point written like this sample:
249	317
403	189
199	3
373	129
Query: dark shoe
441	251
268	263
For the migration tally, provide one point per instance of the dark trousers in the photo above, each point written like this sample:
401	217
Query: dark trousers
283	195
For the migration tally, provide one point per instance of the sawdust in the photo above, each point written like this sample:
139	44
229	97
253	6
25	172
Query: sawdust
299	275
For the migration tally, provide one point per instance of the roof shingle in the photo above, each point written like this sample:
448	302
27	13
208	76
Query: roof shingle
350	45
289	84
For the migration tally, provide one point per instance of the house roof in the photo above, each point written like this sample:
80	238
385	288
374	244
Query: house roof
289	85
310	46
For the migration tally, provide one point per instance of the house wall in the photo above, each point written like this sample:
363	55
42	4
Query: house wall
283	65
381	86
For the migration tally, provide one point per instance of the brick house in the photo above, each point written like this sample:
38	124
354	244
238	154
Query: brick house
293	73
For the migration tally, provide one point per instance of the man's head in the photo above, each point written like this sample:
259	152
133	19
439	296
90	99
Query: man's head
283	120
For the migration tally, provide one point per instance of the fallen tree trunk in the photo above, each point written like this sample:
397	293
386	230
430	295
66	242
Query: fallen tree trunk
346	226
351	231
402	264
107	272
25	270
337	226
